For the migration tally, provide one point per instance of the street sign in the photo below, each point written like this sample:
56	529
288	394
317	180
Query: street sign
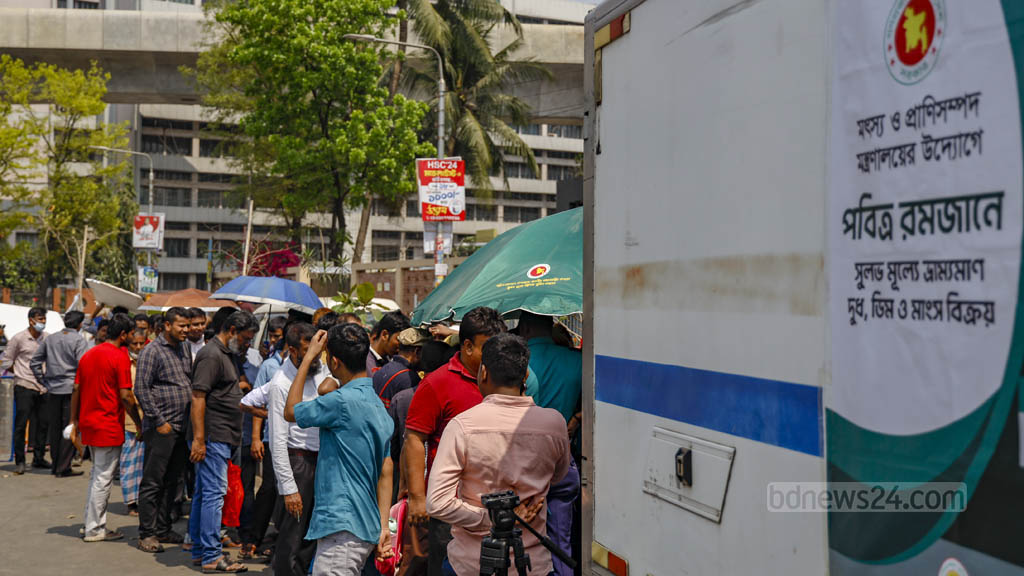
148	231
149	280
442	189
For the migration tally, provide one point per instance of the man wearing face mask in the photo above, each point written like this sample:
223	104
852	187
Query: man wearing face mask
132	451
216	431
54	364
29	393
293	453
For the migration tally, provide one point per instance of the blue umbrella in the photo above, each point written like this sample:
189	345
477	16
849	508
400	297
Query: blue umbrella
271	290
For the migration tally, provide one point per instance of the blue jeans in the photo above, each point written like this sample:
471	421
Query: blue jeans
208	502
560	500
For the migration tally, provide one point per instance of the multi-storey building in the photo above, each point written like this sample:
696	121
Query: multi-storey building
194	180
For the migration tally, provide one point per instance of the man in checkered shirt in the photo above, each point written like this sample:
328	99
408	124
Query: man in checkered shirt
163	386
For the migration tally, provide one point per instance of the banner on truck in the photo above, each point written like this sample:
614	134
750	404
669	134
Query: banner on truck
925	222
442	189
148	231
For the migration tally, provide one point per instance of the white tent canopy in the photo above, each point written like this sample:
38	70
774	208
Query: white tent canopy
15	319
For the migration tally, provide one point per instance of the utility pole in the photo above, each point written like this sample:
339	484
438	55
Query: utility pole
80	280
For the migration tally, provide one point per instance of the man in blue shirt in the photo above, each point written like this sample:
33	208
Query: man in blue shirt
559	383
352	486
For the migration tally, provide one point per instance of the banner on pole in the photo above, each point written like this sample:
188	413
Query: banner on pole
430	236
149	280
442	188
148	231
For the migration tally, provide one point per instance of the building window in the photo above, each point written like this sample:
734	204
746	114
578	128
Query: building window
481	212
562	155
237	228
165	124
172	175
565	130
383	209
170	282
177	146
214	148
209	199
181	226
201	282
218	178
167	196
177	247
387	235
381	253
203	247
519	170
521	214
531	129
561	172
30	238
527	196
80	5
412	208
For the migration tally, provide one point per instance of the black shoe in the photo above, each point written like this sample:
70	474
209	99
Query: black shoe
171	537
41	464
19	469
70	473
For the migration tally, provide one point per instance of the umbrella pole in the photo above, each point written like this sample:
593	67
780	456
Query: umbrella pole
266	326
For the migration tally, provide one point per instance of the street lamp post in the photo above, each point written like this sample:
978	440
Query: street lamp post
149	253
438	239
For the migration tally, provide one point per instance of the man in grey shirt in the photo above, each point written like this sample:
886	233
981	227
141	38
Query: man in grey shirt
54	365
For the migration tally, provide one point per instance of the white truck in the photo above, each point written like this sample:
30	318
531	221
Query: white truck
802	254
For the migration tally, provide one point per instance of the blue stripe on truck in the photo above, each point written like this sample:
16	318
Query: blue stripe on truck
778	413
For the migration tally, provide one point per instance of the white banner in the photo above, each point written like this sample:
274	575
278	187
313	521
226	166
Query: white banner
924	210
148	231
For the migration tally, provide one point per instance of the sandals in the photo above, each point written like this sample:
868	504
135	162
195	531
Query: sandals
227	542
248	552
150	545
223	565
109	536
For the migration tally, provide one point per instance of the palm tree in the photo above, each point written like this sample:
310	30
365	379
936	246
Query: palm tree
480	110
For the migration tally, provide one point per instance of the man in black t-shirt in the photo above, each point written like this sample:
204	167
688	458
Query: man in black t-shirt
216	430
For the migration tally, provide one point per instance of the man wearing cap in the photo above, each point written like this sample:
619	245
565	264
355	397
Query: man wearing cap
400	373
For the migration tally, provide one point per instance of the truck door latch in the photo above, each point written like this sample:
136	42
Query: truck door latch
684	466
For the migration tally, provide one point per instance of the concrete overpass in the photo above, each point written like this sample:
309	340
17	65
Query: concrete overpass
143	51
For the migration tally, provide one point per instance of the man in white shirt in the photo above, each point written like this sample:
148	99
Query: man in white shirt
196	327
293	453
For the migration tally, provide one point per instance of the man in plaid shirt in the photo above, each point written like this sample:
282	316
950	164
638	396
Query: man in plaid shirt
163	386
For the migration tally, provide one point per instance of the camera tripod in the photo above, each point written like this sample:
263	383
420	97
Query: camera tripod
504	535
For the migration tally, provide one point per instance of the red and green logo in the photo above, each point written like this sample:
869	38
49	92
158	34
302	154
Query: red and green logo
538	271
913	38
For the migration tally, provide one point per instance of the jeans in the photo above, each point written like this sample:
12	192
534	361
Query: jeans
208	502
30	410
163	459
560	500
104	462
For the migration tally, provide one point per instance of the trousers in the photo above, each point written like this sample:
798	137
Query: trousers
293	552
163	459
30	412
104	463
62	451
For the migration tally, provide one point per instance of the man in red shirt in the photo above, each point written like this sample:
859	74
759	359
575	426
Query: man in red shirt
443	395
102	393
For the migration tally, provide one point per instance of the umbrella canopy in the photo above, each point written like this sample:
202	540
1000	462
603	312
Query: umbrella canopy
278	292
189	298
110	295
536	267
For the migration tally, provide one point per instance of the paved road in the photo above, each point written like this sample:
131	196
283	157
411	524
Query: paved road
39	532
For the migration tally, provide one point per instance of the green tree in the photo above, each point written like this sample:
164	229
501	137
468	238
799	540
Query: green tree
481	112
18	155
311	102
82	206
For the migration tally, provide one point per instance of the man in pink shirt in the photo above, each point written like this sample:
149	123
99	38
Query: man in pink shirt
504	443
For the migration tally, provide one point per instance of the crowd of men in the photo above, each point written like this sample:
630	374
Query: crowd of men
373	447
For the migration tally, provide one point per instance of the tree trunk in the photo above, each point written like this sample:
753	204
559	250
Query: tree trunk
403	36
364	223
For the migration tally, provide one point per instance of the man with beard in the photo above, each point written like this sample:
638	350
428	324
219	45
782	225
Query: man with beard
216	431
293	453
163	382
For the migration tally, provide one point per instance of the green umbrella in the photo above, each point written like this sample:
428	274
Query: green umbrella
537	267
